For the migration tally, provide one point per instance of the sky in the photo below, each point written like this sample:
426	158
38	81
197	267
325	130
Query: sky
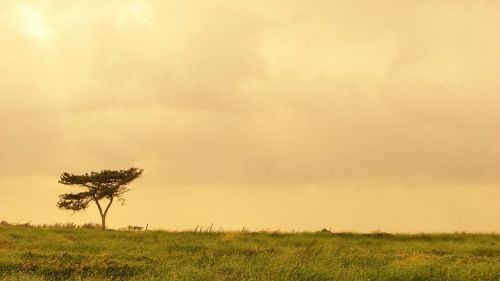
269	115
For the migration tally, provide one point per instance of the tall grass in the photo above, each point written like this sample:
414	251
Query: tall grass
68	252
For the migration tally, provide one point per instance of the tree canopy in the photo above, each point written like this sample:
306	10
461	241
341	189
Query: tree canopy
106	184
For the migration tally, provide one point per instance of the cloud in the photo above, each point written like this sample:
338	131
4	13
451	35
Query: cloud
254	94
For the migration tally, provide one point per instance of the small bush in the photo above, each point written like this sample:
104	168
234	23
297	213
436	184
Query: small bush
91	225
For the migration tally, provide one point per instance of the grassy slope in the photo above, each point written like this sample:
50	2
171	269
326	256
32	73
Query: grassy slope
65	254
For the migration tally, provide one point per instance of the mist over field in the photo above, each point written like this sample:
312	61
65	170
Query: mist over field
291	115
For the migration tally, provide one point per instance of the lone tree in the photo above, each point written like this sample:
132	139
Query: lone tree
101	185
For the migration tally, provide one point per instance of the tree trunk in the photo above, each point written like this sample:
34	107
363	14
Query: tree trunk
103	222
103	214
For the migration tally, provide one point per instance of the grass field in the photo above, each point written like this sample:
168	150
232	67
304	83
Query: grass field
58	253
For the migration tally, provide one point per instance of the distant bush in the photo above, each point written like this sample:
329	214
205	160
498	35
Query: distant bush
134	227
91	225
68	225
26	224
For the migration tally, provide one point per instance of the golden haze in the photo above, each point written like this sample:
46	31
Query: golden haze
356	115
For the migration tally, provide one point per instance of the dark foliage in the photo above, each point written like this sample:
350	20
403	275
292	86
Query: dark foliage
106	184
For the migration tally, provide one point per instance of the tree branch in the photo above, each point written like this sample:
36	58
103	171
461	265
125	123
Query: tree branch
98	205
109	205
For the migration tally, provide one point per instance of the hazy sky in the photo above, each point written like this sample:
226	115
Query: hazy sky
355	115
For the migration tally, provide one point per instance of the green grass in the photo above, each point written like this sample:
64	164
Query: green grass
57	253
